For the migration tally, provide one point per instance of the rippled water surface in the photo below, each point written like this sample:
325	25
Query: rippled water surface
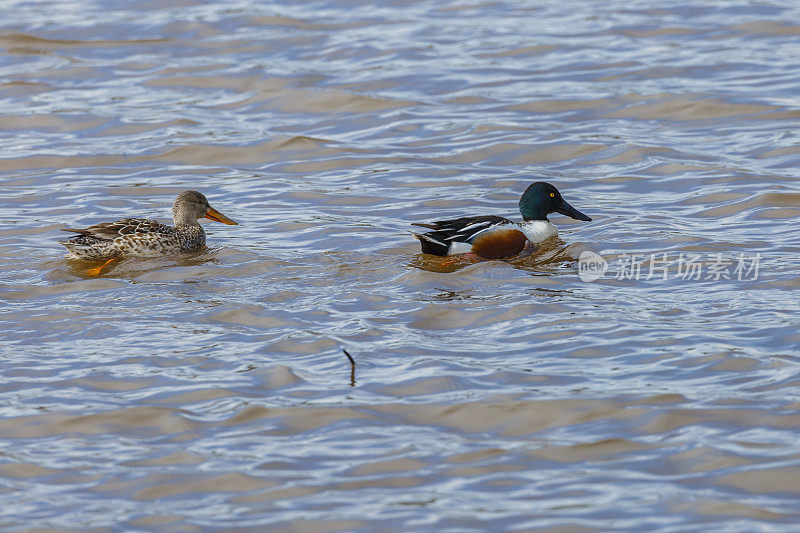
212	392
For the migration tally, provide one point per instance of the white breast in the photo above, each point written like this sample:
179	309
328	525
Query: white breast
538	230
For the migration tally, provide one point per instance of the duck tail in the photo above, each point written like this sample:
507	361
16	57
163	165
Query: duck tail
431	245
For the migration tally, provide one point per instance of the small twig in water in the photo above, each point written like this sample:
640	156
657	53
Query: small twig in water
352	368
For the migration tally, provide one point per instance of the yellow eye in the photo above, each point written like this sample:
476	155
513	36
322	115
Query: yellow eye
552	195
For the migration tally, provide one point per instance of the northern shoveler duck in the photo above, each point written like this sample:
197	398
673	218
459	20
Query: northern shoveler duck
495	237
141	237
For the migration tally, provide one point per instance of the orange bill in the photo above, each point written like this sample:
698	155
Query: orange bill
216	216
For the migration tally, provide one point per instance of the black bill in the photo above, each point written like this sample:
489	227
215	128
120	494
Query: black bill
566	209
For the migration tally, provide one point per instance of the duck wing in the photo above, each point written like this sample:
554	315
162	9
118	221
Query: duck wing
462	229
126	226
447	233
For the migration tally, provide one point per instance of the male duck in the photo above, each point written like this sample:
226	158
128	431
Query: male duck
495	237
141	237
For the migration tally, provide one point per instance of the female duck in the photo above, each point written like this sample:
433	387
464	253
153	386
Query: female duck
494	237
140	237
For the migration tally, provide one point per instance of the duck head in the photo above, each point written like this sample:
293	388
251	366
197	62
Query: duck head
540	199
190	206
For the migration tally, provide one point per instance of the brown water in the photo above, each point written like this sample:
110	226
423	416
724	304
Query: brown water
211	392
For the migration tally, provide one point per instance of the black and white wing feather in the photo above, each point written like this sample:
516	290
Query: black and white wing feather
460	230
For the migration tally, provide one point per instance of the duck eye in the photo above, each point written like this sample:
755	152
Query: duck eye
552	195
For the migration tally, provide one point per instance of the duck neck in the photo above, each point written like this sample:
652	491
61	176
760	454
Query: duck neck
538	230
534	216
182	218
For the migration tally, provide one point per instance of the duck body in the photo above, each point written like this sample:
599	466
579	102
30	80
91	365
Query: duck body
141	237
133	237
496	237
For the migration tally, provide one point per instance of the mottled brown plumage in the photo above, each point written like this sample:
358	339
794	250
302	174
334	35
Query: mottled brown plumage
140	237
